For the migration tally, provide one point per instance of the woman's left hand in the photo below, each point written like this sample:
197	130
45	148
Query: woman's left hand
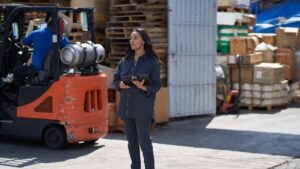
140	84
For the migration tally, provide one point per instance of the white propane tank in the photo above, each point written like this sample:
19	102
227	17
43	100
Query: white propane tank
82	54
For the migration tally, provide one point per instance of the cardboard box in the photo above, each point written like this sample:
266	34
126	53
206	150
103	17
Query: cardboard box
298	41
286	37
267	50
269	38
268	56
161	108
246	73
290	72
285	56
252	58
287	51
238	45
252	42
258	36
268	73
243	45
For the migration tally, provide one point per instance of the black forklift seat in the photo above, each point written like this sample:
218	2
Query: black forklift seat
37	86
44	75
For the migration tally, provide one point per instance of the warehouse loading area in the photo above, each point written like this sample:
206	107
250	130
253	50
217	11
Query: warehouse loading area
252	140
190	37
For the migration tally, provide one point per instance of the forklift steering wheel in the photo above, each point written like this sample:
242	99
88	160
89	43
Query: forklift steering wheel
23	48
19	45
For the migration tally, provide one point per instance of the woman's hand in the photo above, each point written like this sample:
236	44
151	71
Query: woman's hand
140	84
123	86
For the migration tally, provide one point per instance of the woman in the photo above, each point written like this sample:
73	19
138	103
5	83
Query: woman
136	105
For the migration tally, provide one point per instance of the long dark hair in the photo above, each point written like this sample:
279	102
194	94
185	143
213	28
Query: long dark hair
147	44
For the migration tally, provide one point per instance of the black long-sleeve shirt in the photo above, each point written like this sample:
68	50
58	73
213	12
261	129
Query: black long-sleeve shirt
134	102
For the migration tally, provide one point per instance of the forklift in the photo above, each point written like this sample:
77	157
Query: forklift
227	98
66	106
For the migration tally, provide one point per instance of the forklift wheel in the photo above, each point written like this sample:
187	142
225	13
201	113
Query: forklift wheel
55	137
91	142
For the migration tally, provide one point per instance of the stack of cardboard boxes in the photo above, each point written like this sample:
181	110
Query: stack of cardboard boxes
270	65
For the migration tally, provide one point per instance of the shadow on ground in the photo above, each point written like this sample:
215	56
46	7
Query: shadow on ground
30	153
193	132
190	132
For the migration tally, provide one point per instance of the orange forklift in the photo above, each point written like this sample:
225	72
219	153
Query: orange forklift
68	103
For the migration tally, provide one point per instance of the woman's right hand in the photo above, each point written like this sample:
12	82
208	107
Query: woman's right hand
123	86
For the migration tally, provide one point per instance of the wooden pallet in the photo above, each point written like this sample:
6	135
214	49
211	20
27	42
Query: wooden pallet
121	2
242	23
157	2
124	7
137	24
75	37
120	33
133	18
233	9
140	18
161	51
114	59
34	15
266	107
126	15
115	13
124	2
118	50
153	7
123	24
115	32
159	40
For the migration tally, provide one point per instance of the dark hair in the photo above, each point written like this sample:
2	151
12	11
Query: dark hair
147	44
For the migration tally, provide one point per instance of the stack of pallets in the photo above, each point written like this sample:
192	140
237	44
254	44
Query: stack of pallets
129	14
247	18
100	18
64	3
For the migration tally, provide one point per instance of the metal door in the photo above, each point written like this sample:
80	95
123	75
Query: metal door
191	59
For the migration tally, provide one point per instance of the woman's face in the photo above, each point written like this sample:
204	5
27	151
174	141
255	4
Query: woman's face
136	41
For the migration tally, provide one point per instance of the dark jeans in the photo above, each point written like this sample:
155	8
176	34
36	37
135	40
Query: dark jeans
138	135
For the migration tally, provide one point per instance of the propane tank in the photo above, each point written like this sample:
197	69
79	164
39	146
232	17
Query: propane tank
80	54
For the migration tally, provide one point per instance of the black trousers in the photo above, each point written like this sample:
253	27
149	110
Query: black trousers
138	136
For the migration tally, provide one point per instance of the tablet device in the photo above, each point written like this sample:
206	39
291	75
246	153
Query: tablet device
127	79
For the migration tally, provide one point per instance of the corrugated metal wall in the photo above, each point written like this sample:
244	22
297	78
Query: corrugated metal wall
191	60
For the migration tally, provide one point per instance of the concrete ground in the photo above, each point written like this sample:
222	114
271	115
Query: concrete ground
251	140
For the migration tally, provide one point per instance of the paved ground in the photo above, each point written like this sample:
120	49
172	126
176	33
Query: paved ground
252	140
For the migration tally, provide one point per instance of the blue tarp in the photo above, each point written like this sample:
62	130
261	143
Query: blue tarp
285	14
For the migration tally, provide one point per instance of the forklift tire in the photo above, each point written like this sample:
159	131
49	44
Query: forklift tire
55	137
91	142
